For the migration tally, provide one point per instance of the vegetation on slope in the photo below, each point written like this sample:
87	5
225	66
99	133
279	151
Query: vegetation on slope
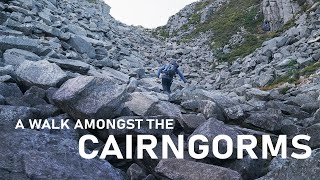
229	20
243	16
293	75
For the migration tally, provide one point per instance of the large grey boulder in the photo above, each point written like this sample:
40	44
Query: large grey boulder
135	172
199	94
190	122
71	65
257	94
10	90
249	168
90	97
270	120
164	108
140	102
212	128
185	170
16	57
82	46
235	113
40	73
25	43
29	153
148	163
10	115
301	99
211	109
313	132
297	169
109	72
291	110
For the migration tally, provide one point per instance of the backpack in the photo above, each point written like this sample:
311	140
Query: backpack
266	26
169	70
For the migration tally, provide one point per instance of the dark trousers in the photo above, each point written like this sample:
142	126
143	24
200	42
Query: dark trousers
166	85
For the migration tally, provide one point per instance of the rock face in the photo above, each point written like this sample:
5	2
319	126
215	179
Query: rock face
90	97
279	12
40	73
183	169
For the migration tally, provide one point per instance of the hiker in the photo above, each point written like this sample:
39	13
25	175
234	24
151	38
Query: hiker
167	72
266	26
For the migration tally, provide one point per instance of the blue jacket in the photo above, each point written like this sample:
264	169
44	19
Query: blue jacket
167	77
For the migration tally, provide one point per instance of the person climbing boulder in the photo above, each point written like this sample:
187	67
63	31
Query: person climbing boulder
167	72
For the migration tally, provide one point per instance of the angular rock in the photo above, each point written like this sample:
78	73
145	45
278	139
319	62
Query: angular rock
270	120
7	70
234	113
150	84
71	65
185	170
135	172
109	72
212	128
164	108
297	169
6	78
198	94
10	115
300	99
40	73
82	46
310	107
51	31
36	91
10	90
16	57
33	151
150	164
90	97
25	43
140	102
133	84
249	168
293	111
211	110
190	122
313	132
257	94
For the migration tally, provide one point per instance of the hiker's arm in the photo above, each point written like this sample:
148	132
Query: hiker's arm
181	76
159	71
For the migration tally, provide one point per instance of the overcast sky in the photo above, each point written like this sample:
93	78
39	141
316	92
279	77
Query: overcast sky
147	13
